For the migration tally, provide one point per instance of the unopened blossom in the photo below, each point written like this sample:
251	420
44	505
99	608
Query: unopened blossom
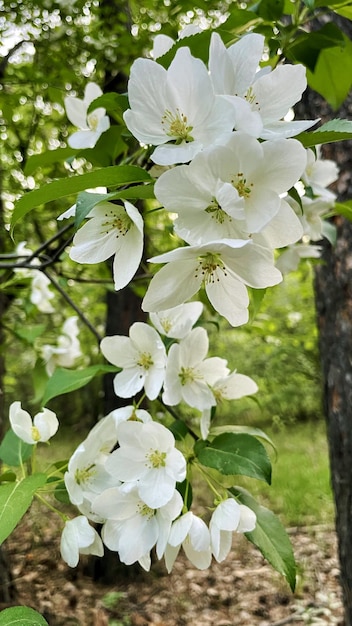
147	454
78	537
141	356
190	532
91	125
111	229
189	374
231	191
223	267
42	428
229	516
132	528
177	322
67	350
261	98
176	109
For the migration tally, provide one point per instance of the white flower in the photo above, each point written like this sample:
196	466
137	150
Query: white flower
147	454
319	174
86	476
43	427
231	387
178	321
229	516
78	537
224	267
261	99
141	356
92	124
111	229
68	347
189	375
193	534
289	260
40	292
230	190
175	105
124	413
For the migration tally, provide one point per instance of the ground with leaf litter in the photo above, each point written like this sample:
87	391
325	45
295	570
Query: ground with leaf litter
242	591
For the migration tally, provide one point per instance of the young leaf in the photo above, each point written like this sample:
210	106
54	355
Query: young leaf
332	131
232	453
343	208
106	177
21	616
14	451
64	380
332	76
15	499
270	537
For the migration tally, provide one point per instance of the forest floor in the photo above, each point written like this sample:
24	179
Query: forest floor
242	591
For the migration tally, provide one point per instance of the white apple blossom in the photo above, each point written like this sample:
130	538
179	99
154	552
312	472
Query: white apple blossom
132	528
224	267
78	537
319	174
67	350
147	454
177	322
91	125
141	356
290	258
261	98
111	229
42	428
230	387
229	516
176	105
231	191
189	375
192	533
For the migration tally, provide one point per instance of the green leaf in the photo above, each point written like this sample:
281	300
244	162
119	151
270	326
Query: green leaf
30	333
14	451
47	158
106	177
270	537
236	454
21	616
61	494
332	131
237	429
111	102
343	208
15	499
271	9
86	201
307	47
65	380
8	477
332	76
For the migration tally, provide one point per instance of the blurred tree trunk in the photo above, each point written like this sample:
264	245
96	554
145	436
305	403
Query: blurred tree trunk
333	293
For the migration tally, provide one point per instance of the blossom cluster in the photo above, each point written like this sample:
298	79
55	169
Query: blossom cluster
132	491
228	161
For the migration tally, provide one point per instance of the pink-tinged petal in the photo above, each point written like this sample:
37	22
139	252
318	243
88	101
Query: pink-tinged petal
119	351
172	285
76	111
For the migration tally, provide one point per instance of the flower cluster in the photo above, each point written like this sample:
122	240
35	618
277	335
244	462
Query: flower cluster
184	372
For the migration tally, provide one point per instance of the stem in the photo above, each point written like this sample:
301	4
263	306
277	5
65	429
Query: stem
51	507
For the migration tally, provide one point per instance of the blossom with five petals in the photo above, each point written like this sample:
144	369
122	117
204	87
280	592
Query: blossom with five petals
112	229
178	321
224	267
141	356
147	454
176	105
